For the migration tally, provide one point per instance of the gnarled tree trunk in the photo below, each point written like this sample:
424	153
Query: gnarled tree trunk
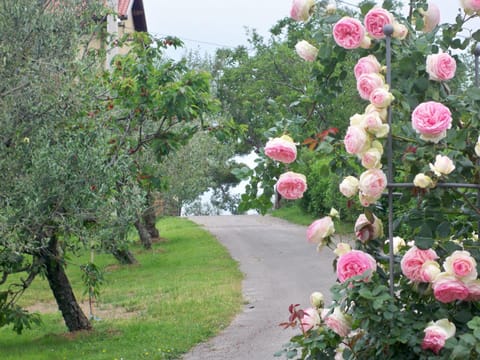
145	237
124	256
149	219
73	315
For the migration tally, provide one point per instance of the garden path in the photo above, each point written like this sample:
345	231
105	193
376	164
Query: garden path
280	269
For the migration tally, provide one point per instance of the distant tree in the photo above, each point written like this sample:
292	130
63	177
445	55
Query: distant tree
203	163
157	105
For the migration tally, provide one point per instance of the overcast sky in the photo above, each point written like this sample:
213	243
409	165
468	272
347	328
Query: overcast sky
208	24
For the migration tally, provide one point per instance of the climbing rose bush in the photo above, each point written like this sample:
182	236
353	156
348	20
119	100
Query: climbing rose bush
411	291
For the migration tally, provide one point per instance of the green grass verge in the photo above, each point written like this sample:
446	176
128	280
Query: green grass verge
294	214
182	292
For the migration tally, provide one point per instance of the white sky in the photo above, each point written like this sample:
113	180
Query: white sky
205	25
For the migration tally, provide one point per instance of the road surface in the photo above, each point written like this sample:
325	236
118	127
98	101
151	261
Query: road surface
280	267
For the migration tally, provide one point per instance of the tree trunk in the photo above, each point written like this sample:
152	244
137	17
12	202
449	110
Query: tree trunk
73	315
149	220
124	256
145	237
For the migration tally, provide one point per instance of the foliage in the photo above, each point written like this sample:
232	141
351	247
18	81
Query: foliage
296	97
201	164
145	323
60	193
393	303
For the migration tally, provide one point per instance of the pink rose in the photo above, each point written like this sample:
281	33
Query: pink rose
320	229
431	120
281	149
382	112
436	333
349	33
373	123
470	6
431	17
349	186
339	322
367	83
310	319
413	260
306	51
462	265
356	140
291	185
441	66
375	20
365	65
429	271
380	97
371	159
447	288
355	263
365	230
372	183
301	9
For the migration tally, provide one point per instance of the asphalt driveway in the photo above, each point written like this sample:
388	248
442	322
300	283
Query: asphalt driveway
280	268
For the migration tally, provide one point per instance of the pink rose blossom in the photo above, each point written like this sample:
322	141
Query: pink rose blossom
306	51
436	333
356	140
447	288
349	186
381	97
281	149
310	319
462	265
355	263
320	229
429	271
372	183
382	112
301	9
470	6
431	17
375	20
349	33
371	159
367	83
441	66
366	231
373	123
413	260
291	185
366	65
431	120
339	322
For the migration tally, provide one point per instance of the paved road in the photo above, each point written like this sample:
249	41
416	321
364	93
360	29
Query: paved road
280	268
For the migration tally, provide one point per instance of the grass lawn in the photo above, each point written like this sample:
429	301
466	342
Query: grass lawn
296	215
182	292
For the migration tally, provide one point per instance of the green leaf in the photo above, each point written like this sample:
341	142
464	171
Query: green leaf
443	230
